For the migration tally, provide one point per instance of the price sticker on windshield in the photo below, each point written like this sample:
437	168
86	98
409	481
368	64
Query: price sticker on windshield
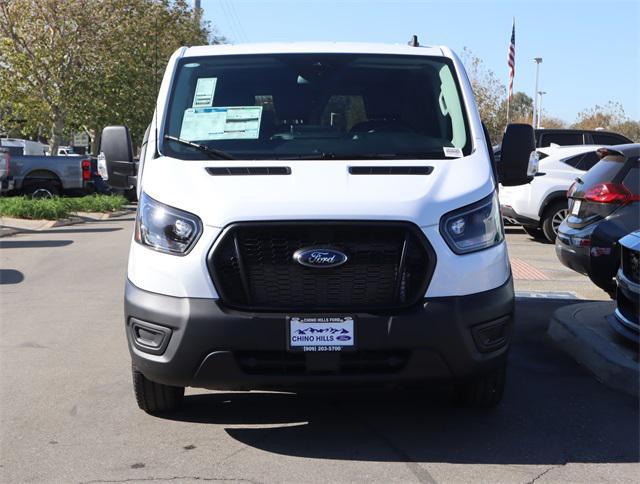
452	152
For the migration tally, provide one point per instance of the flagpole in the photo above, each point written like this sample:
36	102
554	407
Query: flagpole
511	60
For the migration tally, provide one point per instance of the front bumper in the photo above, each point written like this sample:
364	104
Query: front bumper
626	319
509	213
7	185
211	346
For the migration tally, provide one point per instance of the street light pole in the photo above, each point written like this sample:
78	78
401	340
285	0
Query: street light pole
537	60
540	93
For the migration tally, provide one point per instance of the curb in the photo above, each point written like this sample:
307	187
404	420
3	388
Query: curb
582	331
12	226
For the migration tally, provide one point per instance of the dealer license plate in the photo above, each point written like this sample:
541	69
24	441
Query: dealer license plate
320	334
576	207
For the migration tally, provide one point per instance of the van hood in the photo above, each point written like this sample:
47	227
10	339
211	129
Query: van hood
317	189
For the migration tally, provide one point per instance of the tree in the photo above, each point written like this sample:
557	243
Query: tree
74	65
607	116
551	121
631	129
611	117
489	93
43	56
520	108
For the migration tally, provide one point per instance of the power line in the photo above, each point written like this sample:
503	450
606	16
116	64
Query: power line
232	26
234	20
235	14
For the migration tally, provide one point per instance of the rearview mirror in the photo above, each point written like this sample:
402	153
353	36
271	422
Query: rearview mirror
518	159
115	162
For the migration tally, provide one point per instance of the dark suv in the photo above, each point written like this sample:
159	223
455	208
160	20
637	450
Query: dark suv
604	206
569	137
564	137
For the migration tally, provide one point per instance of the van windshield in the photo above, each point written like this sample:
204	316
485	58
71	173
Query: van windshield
316	106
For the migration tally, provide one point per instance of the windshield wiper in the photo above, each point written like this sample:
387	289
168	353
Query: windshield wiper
212	152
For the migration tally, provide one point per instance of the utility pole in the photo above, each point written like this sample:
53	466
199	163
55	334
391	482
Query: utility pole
538	61
540	93
197	10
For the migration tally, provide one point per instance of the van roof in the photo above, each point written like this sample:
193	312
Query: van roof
311	47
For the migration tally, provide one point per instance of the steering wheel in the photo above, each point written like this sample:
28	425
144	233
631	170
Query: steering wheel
381	126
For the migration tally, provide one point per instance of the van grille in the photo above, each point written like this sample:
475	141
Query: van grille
389	265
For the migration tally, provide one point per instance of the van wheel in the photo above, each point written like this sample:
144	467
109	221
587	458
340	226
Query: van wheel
554	215
40	189
155	397
483	391
534	232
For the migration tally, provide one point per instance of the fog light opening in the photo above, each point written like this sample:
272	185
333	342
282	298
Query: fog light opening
149	337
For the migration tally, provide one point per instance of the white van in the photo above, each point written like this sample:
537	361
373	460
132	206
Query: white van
24	147
317	214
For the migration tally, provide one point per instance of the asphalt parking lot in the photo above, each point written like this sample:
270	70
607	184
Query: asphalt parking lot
67	411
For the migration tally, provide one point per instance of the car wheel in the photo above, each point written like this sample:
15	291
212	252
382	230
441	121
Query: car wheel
534	232
483	391
155	397
554	215
41	189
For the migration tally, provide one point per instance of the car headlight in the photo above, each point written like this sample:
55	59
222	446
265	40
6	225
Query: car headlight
165	228
475	227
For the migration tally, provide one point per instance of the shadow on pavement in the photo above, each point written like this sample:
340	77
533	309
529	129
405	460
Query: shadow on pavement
33	244
11	276
88	230
553	412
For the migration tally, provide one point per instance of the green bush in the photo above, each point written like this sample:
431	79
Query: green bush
58	207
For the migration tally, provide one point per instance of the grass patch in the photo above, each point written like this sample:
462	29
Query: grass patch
57	207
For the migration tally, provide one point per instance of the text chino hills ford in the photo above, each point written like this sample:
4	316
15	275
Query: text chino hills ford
316	214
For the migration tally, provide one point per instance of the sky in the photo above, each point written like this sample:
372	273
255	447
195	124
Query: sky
590	49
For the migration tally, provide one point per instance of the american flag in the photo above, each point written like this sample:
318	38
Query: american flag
511	61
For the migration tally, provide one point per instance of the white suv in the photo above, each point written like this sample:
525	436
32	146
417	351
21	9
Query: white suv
541	206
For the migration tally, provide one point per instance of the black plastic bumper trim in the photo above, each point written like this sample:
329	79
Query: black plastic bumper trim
206	336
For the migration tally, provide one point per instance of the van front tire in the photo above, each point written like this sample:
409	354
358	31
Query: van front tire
155	397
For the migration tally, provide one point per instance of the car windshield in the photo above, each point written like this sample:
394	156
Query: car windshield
316	106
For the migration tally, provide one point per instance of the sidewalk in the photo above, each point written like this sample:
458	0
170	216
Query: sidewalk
582	331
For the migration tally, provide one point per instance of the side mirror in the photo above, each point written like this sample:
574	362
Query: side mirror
115	162
518	159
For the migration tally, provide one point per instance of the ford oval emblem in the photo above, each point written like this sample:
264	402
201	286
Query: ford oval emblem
320	257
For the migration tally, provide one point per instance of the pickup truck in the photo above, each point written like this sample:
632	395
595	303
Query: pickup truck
48	176
6	183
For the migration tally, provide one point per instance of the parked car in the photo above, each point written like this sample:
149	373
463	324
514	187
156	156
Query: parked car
288	227
24	147
67	151
567	137
563	137
47	176
541	206
6	180
626	318
604	206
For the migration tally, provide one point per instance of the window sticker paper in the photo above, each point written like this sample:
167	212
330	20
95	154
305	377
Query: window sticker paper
205	89
203	123
237	122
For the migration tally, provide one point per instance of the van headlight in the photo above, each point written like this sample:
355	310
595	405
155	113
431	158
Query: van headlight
165	228
475	227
